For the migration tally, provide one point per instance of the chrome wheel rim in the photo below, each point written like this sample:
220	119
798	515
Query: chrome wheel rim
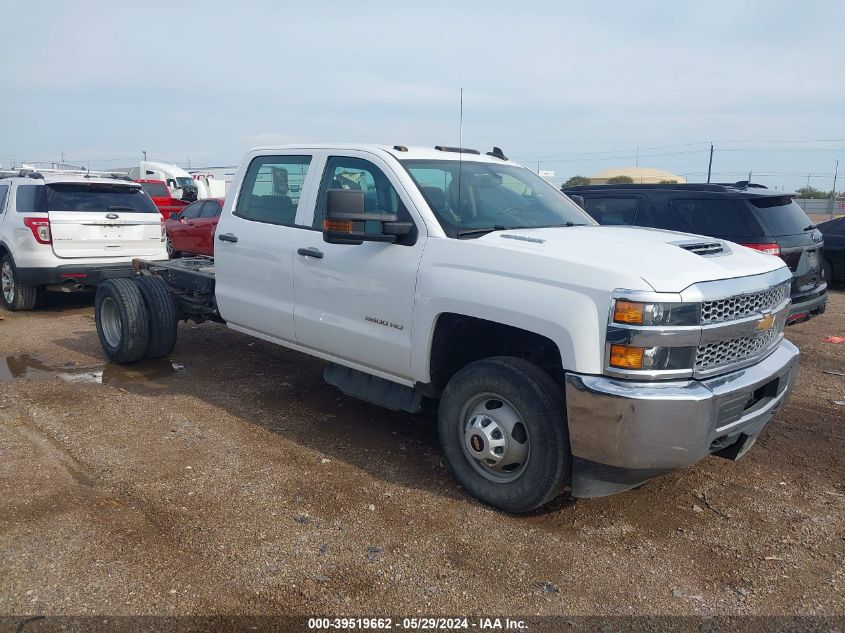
169	246
7	278
110	322
494	438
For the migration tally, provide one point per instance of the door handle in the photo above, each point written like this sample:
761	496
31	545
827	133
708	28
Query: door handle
316	253
227	237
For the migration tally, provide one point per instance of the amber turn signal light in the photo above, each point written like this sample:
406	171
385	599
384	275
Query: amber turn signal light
628	312
626	357
344	226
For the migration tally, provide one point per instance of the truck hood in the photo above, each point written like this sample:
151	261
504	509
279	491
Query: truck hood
653	254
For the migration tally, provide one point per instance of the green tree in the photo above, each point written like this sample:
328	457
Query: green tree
812	192
620	180
668	182
577	180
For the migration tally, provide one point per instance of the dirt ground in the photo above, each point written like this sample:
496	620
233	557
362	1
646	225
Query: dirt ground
230	479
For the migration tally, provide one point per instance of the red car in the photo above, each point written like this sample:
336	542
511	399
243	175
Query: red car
192	229
166	204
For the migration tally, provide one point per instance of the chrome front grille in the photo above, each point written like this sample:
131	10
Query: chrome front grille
736	350
742	306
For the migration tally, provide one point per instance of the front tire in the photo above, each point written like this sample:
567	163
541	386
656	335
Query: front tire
503	432
171	252
16	296
122	320
827	272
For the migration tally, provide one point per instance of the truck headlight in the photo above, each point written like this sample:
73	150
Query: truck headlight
651	358
643	313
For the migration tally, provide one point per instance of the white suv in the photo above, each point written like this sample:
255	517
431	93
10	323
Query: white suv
68	231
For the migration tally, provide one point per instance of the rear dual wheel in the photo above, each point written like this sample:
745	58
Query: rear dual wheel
136	318
503	432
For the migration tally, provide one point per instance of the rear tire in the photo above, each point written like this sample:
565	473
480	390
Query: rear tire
163	315
122	320
16	297
506	409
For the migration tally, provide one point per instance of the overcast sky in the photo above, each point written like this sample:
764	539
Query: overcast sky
577	86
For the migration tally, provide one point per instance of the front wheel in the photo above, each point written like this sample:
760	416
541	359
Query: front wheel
503	431
827	272
171	252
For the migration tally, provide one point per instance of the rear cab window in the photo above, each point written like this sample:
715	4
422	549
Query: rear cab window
272	188
83	197
781	215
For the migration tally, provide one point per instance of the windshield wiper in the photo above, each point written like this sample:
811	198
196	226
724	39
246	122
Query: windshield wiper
482	231
119	208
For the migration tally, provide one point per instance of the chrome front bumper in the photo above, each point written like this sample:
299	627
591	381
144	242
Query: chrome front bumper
624	433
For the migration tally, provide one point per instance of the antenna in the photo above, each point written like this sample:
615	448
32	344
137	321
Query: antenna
460	157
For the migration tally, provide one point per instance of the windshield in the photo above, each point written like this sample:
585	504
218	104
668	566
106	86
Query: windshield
467	196
156	189
185	182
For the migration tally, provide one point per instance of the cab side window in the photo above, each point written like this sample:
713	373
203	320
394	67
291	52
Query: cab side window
272	188
192	211
210	209
360	175
714	218
620	210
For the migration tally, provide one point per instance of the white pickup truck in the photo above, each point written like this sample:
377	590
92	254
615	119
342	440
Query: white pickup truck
560	354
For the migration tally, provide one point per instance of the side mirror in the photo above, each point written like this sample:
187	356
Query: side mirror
579	200
345	221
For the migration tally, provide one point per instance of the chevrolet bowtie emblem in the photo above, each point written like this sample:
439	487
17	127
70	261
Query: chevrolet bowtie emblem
766	323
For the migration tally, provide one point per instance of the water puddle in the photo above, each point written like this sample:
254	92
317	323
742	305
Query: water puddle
146	373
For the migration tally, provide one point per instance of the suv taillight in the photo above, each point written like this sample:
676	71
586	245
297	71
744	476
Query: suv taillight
771	249
40	228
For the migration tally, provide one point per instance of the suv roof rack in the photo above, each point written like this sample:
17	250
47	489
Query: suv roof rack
28	172
460	150
691	186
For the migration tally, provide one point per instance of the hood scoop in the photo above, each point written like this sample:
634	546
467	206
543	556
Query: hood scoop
705	249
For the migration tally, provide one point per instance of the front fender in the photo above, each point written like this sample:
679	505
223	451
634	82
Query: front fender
573	319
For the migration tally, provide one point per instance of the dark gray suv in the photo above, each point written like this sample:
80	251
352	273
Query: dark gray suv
756	217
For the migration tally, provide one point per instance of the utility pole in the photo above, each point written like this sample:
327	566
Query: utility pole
833	193
637	160
710	164
145	155
538	167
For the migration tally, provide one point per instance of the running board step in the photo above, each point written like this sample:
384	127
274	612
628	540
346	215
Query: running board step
373	389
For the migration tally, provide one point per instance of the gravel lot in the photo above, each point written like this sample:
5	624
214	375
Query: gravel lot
230	479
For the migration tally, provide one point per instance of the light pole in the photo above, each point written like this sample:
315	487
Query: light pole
833	193
144	152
